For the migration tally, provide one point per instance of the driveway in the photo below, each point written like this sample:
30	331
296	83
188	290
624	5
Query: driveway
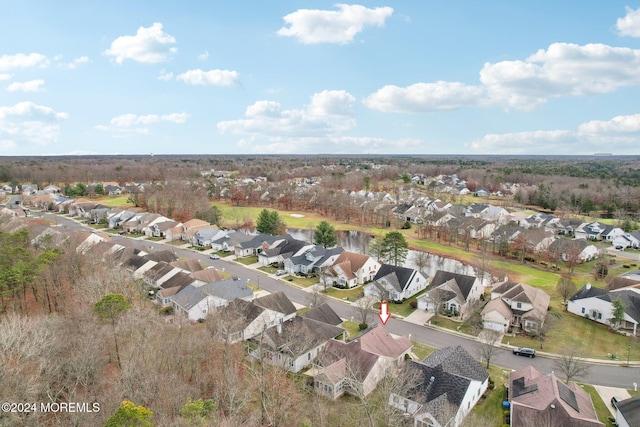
606	393
419	317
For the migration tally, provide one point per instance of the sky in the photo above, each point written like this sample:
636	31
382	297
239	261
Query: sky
290	77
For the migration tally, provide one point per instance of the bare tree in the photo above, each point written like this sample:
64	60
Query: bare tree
364	306
437	297
550	322
315	298
565	288
488	339
420	259
570	364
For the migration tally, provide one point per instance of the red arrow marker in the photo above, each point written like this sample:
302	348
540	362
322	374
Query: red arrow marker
384	314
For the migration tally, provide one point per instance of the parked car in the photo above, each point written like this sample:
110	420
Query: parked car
214	256
281	272
524	351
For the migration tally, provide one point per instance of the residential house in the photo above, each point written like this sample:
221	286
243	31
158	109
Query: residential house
119	217
190	227
159	229
323	313
312	259
356	366
626	240
574	250
598	304
597	231
294	344
451	292
449	383
255	245
282	249
395	283
352	269
628	412
204	236
244	320
517	305
544	400
196	302
228	241
279	302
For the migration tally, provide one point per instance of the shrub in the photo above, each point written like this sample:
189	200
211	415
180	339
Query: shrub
166	310
363	326
413	304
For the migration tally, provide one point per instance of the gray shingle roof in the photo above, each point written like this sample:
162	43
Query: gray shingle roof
227	289
465	283
323	313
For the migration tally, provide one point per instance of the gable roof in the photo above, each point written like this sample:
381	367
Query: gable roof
323	313
299	335
355	261
227	289
276	301
465	283
377	340
630	410
535	396
456	360
587	291
397	276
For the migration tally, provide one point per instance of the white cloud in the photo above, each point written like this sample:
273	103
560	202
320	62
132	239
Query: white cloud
424	97
203	56
617	125
620	135
5	76
630	24
128	120
150	45
30	86
329	112
209	78
132	124
21	60
332	145
29	123
562	70
311	26
164	75
74	64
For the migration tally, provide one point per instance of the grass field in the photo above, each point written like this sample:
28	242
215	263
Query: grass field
593	339
602	410
345	294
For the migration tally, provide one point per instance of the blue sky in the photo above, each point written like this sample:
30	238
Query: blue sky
315	77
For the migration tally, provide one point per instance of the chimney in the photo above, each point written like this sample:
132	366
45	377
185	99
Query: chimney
279	328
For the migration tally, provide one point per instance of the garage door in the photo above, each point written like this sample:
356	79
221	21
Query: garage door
494	326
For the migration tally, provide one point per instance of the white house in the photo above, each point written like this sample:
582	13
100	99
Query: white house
351	269
395	283
451	292
597	304
516	304
451	383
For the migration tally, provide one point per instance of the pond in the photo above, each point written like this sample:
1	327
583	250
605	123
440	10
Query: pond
356	241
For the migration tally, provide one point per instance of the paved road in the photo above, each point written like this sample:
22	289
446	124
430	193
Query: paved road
605	375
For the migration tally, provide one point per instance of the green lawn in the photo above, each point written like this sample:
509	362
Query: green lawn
594	339
602	410
304	282
403	309
491	407
115	201
421	350
248	260
268	269
347	294
352	328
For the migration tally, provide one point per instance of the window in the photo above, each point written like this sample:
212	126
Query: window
519	305
600	316
583	310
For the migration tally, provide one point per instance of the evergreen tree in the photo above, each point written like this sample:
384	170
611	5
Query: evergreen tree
394	248
269	222
325	235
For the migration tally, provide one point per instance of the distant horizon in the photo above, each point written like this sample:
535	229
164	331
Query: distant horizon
366	78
